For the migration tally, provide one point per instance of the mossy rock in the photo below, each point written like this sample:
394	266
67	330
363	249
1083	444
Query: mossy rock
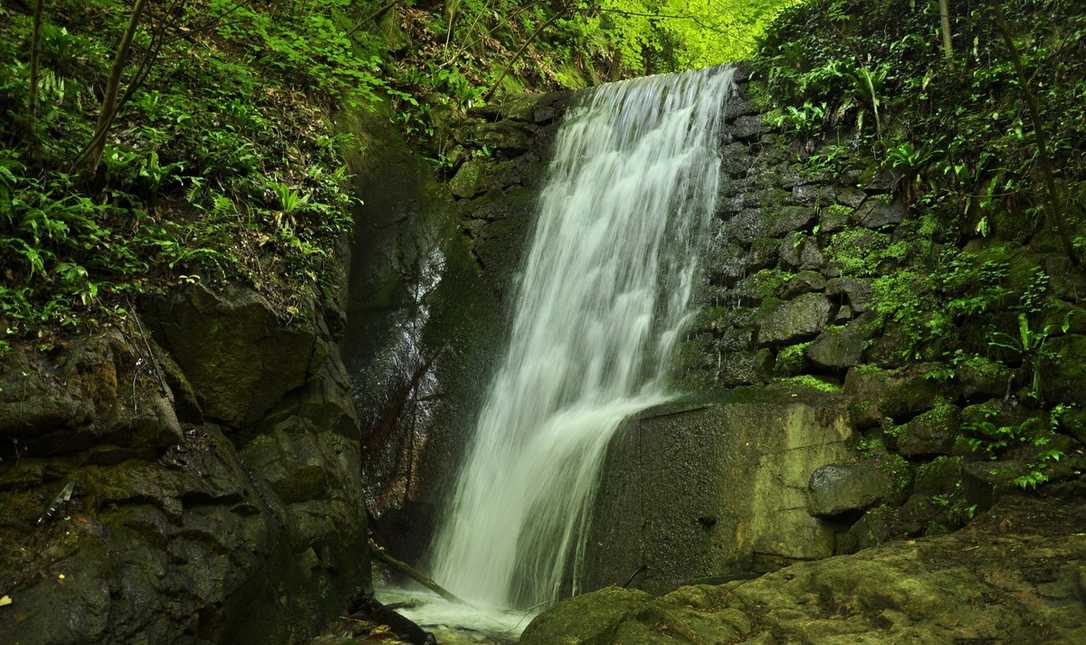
899	393
588	619
791	360
981	377
1063	376
941	475
761	285
794	320
467	182
803	282
838	348
836	489
930	433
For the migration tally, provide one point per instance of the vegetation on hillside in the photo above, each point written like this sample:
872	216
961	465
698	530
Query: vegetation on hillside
144	145
981	136
148	144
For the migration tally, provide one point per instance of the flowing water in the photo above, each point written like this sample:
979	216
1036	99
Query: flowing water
603	297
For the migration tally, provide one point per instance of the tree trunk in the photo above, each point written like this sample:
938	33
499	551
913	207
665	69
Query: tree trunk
944	18
413	573
92	155
35	69
1053	197
520	52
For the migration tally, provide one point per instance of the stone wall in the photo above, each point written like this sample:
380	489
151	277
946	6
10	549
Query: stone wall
788	299
190	477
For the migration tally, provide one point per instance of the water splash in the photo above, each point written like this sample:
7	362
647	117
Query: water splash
604	295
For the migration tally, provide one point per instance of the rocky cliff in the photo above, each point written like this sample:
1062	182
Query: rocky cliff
431	281
190	477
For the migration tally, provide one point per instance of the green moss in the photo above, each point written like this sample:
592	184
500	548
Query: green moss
858	251
811	382
764	284
839	211
792	359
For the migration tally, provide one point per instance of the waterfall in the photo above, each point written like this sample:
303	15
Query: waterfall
603	297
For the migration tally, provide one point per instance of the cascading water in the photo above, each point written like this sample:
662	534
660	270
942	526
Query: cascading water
604	294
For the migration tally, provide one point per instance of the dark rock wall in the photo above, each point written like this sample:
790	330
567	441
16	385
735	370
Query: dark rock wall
193	477
432	279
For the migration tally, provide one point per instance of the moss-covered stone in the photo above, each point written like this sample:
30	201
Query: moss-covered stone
1063	375
838	347
794	320
590	619
791	360
935	590
467	182
981	377
930	433
878	393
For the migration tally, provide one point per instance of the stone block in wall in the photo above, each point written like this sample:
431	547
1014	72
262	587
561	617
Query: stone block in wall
794	320
899	394
929	433
739	106
837	489
735	160
834	219
801	251
747	128
839	347
730	206
1063	377
876	213
812	195
855	293
764	253
744	227
850	196
785	219
806	281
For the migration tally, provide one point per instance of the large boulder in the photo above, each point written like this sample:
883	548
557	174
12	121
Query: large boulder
585	619
1020	566
691	490
233	349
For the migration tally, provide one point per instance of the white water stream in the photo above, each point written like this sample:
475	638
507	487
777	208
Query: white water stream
604	294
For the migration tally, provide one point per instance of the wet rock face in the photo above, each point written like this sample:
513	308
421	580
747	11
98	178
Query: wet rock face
1016	576
431	282
143	498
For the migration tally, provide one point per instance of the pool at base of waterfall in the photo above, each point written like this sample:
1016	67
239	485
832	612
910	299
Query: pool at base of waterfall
455	623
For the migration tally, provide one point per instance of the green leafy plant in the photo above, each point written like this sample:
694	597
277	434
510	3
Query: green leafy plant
1029	345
